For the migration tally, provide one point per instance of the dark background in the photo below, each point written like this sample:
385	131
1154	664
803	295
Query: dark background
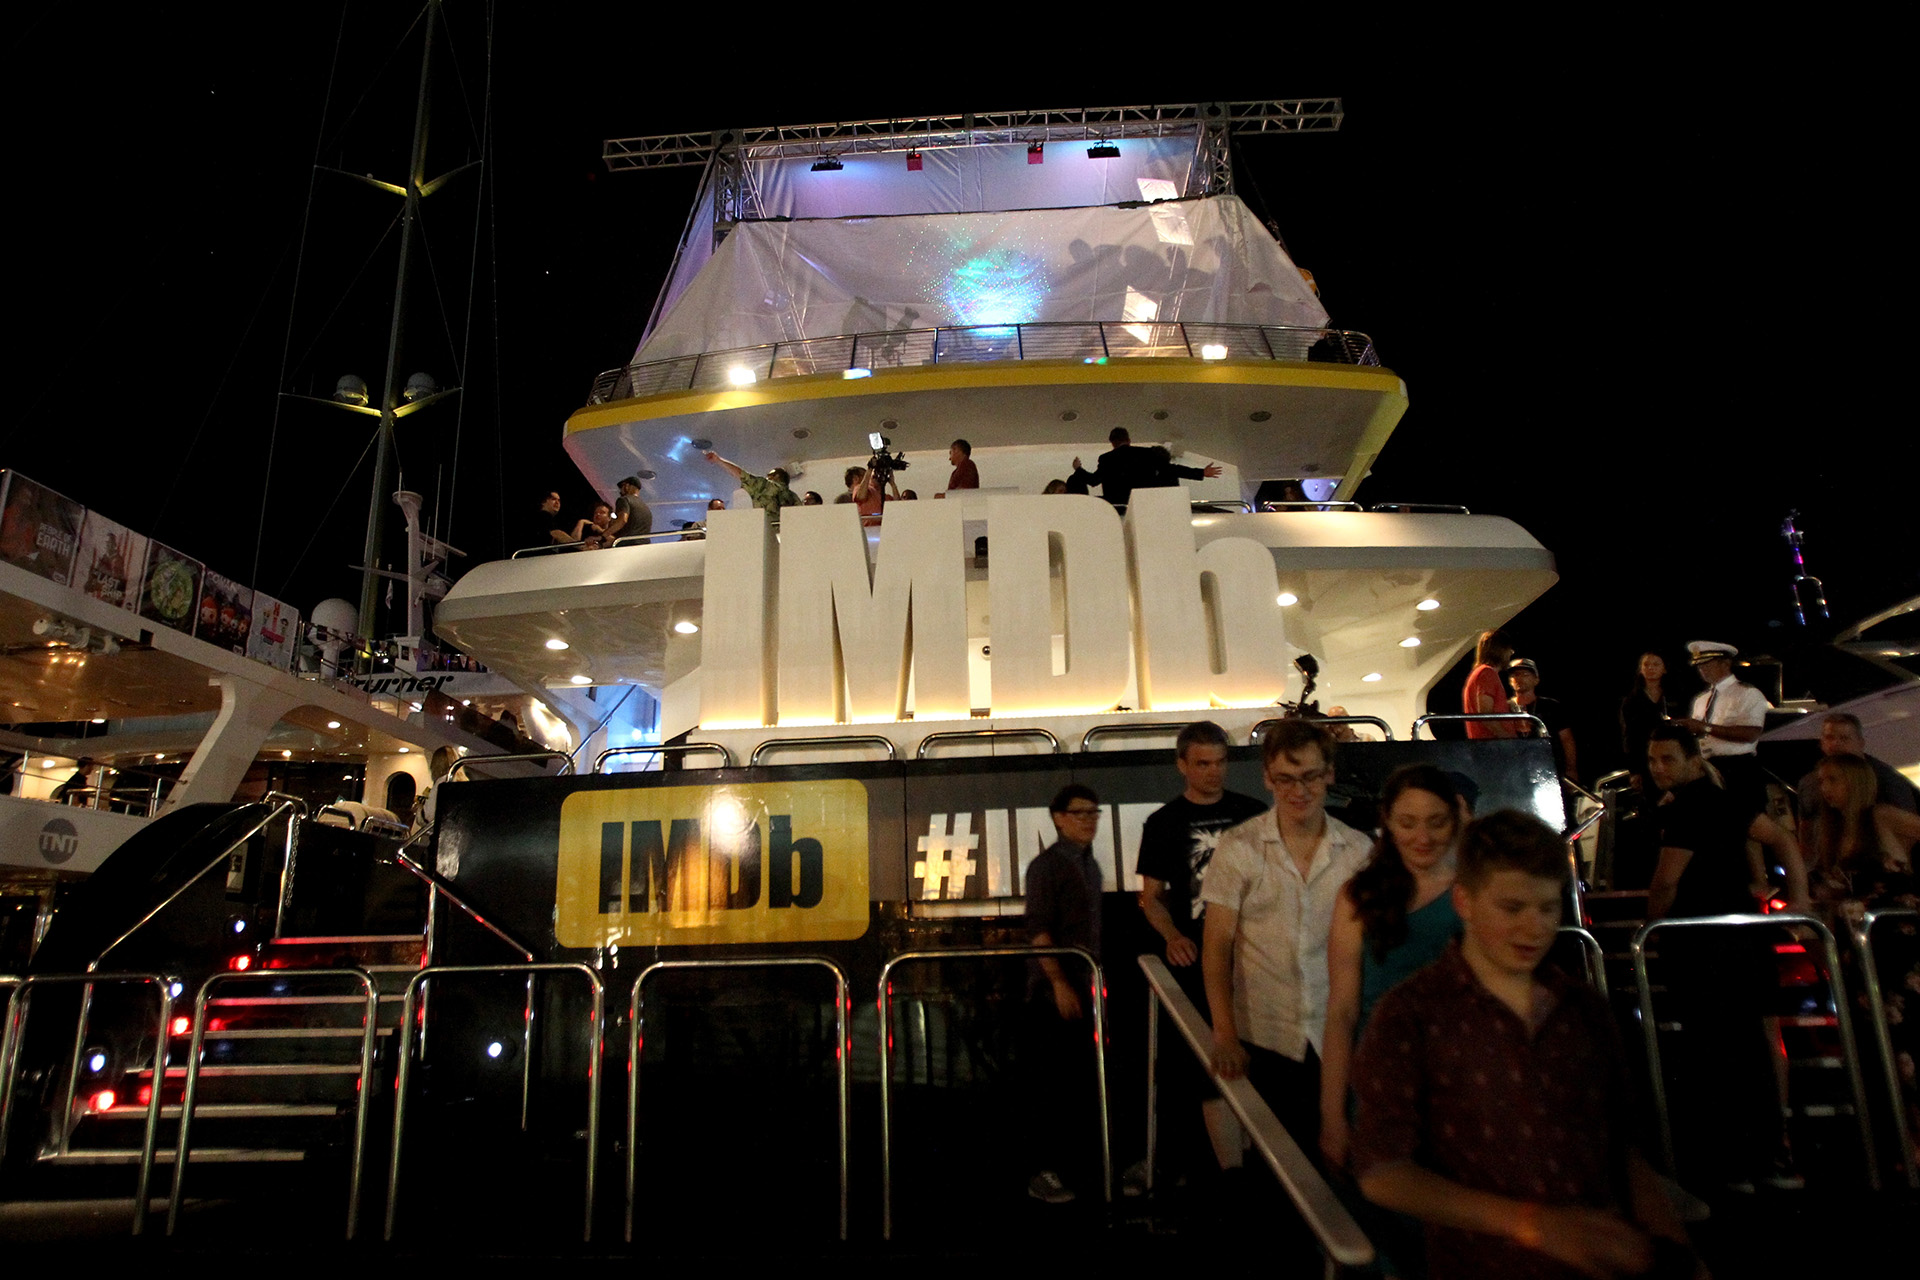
1632	278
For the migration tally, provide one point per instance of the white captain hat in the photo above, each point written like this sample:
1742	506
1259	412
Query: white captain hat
1708	650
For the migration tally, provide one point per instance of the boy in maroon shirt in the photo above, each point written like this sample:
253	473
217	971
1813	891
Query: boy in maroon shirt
1493	1097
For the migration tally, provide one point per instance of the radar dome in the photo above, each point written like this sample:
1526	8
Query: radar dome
336	615
350	390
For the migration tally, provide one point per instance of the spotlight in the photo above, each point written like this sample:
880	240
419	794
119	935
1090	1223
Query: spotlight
1428	605
1213	351
686	628
1372	677
827	165
581	679
1037	153
1103	151
557	644
741	376
1411	642
1286	598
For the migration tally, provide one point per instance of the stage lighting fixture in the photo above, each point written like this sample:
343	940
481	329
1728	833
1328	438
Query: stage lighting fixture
913	162
1104	151
1037	153
828	165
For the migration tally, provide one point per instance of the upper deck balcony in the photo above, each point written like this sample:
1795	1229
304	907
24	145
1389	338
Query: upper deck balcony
1271	400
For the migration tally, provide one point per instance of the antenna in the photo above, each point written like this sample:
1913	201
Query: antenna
1809	594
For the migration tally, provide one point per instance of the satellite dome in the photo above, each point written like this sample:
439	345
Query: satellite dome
336	615
419	386
351	389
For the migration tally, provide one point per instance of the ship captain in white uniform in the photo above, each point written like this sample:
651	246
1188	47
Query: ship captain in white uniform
1728	719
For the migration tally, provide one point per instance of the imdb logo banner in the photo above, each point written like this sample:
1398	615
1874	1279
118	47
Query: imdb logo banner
679	866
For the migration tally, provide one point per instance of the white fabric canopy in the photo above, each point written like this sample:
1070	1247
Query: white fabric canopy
1207	260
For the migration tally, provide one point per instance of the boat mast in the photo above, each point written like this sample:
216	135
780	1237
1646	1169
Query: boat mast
384	447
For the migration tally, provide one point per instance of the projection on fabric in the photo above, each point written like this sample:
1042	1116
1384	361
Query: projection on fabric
1001	286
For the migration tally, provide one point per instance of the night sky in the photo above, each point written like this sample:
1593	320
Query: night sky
1633	282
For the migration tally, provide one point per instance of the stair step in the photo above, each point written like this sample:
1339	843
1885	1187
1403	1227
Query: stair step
222	1110
268	1002
295	1033
347	938
262	1069
164	1155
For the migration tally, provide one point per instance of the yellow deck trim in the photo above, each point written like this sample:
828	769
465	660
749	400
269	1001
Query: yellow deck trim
997	374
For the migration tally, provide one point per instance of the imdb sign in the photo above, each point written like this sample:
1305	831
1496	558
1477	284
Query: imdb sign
680	866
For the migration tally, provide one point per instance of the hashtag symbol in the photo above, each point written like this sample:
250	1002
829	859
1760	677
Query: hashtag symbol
939	847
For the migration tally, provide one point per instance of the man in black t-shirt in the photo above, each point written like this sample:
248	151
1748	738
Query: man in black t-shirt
1176	844
1722	988
1523	676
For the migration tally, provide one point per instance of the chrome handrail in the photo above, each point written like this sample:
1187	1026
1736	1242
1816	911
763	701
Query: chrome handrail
1481	717
1650	1029
596	1025
1102	730
363	1089
843	1050
1098	340
1419	508
1254	734
1282	508
1592	957
440	888
952	735
1338	1235
290	804
1862	930
726	756
776	744
15	1036
886	1056
510	758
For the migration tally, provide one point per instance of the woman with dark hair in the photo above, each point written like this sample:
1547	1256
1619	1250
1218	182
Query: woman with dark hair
1393	919
1646	705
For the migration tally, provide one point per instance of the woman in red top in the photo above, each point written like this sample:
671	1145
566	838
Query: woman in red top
1486	693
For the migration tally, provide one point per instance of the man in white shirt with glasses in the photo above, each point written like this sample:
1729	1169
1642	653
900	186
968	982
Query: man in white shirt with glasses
1270	892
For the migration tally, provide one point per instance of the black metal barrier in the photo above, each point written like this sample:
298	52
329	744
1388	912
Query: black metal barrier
514	845
842	1050
886	1056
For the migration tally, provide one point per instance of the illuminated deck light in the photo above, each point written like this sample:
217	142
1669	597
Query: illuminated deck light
852	374
686	628
741	376
1213	351
1372	677
1411	642
1286	598
556	644
581	679
1428	605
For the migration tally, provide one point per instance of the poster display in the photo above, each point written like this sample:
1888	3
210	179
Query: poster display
275	625
170	594
39	529
110	561
226	612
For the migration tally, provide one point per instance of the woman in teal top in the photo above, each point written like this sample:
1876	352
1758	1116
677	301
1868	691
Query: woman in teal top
1394	918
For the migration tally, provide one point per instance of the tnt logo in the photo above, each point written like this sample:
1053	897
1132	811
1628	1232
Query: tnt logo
59	841
747	862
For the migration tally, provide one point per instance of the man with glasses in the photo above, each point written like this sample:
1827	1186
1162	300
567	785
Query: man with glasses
1269	895
1062	889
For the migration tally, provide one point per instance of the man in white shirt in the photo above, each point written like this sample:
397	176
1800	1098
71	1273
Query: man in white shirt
1270	892
1728	719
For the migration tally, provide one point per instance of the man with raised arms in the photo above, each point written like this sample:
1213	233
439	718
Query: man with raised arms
1269	893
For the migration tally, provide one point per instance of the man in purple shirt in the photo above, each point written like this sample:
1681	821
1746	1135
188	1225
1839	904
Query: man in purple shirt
1493	1094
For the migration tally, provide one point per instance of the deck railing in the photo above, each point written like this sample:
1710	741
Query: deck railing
857	355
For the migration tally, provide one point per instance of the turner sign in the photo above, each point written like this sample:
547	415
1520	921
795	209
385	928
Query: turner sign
801	631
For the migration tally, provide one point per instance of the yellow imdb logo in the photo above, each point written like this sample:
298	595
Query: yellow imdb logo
679	866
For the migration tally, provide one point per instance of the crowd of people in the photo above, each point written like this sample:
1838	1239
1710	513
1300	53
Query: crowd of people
1117	473
1389	994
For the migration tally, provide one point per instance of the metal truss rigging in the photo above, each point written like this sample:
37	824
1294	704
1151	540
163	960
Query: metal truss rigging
1210	123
